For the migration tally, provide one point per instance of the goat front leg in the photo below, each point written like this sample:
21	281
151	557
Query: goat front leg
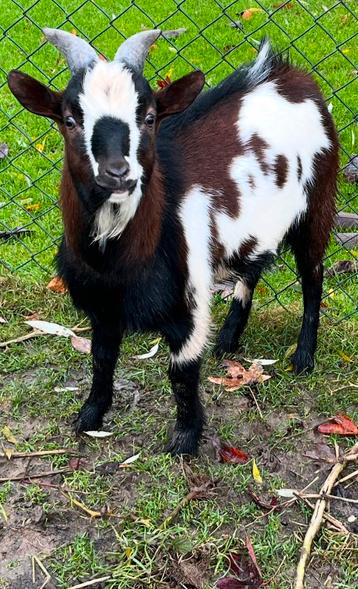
105	349
186	344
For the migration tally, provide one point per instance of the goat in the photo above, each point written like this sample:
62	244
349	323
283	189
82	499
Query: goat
161	189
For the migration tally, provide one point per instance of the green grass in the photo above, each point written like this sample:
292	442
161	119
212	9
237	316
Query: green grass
128	541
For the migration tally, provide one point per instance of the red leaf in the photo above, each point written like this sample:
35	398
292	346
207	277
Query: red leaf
233	455
245	568
164	83
262	503
341	425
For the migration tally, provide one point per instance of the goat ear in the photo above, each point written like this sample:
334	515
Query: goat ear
34	96
179	94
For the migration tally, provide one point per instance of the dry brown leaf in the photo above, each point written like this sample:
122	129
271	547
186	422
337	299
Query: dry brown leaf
8	435
57	285
81	344
238	376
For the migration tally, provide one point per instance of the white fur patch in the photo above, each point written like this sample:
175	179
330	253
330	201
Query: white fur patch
108	90
242	292
195	217
260	69
267	211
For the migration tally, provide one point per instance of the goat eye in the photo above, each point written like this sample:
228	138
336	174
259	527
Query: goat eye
70	122
150	119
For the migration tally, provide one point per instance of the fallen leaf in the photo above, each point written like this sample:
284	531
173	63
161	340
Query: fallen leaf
164	83
129	461
286	493
149	354
40	147
244	567
262	361
238	376
345	357
4	150
77	463
273	504
57	285
229	454
15	232
8	435
256	473
342	267
250	12
98	434
2	320
81	344
284	5
8	453
51	328
290	350
341	425
33	207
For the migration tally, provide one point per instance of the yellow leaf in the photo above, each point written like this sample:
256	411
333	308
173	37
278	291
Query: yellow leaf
346	50
8	453
128	552
169	73
73	31
40	147
345	357
33	207
290	350
8	435
256	473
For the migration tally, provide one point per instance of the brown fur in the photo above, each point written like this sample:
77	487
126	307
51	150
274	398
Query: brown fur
259	146
281	170
208	166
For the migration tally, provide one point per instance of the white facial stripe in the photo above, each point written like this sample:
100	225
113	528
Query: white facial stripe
108	90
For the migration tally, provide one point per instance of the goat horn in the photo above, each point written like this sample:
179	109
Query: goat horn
78	53
133	50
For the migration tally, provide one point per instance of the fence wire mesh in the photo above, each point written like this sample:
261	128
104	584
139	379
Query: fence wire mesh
218	36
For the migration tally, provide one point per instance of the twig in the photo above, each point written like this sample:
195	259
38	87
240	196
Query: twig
347	499
57	452
194	493
326	516
349	476
256	403
36	560
89	583
317	516
39	475
22	338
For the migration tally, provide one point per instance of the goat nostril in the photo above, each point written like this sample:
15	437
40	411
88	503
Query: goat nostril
118	171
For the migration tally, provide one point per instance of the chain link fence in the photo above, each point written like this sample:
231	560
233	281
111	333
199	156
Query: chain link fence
216	36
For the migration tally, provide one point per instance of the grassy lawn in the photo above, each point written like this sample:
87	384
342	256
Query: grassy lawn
44	381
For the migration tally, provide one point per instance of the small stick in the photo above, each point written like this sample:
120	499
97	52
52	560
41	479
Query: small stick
22	338
89	583
82	506
317	516
347	499
256	403
43	569
193	494
327	516
39	453
349	476
39	475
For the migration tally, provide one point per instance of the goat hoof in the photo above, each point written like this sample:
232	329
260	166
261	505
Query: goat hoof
183	442
302	362
226	344
88	419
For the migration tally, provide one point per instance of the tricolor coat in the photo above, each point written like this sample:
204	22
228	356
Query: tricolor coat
162	190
